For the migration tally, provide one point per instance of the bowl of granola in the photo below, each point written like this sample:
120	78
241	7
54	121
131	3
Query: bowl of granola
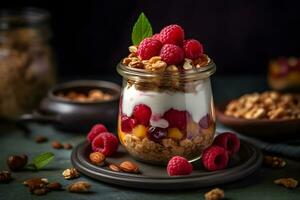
166	104
269	114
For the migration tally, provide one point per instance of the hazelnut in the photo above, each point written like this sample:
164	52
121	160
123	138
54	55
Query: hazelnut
16	162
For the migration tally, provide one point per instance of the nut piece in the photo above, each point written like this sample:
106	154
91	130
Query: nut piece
40	191
132	49
215	194
54	186
129	167
114	167
70	173
40	139
56	144
287	182
97	157
5	176
187	64
274	162
16	162
67	146
79	187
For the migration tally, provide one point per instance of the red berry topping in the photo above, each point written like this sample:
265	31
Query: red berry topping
172	34
142	114
228	141
179	166
156	134
171	54
95	131
215	158
148	48
106	143
205	122
156	36
127	124
192	48
176	118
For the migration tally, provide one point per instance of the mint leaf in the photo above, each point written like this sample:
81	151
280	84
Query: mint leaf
141	29
42	160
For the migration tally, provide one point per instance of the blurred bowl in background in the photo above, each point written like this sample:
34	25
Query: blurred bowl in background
73	115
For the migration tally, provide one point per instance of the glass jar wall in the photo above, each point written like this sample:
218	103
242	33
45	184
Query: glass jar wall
163	115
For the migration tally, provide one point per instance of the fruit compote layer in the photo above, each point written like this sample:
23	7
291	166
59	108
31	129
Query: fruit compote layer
157	124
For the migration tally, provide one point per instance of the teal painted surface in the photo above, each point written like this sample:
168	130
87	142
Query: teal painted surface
13	141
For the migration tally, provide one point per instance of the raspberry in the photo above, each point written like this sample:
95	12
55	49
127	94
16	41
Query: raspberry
95	131
106	143
176	118
214	158
205	122
192	48
171	54
172	34
156	36
228	141
142	114
148	48
179	166
127	124
156	134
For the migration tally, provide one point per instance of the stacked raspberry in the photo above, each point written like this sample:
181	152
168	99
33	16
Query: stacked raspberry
215	157
172	48
172	124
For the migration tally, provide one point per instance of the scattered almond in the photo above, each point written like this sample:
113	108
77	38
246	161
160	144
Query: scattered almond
79	187
54	186
16	162
114	167
287	182
67	146
129	167
70	173
40	139
56	144
214	194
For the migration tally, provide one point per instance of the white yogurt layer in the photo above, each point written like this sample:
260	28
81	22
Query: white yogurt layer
197	103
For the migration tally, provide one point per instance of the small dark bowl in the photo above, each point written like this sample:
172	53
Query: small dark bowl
261	128
77	116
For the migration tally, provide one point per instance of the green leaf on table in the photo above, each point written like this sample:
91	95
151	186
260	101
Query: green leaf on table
42	160
141	29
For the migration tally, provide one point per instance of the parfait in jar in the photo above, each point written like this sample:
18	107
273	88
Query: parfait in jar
166	105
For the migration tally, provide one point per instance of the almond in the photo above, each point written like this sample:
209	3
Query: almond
114	167
129	167
97	157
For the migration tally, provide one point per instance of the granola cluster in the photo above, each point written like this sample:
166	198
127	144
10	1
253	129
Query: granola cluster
148	150
155	64
267	105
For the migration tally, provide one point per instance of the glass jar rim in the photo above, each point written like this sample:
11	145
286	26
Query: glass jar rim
188	75
24	17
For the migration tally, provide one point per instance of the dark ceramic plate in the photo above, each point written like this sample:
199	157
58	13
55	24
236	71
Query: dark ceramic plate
263	128
245	163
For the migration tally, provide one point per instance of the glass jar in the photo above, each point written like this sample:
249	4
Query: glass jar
26	60
166	114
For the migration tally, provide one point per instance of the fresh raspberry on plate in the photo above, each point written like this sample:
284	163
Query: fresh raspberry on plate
176	119
156	36
172	34
179	166
106	143
228	141
127	124
95	131
172	54
215	158
148	48
192	48
142	113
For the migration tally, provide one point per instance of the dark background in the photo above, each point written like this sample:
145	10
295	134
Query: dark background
91	37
